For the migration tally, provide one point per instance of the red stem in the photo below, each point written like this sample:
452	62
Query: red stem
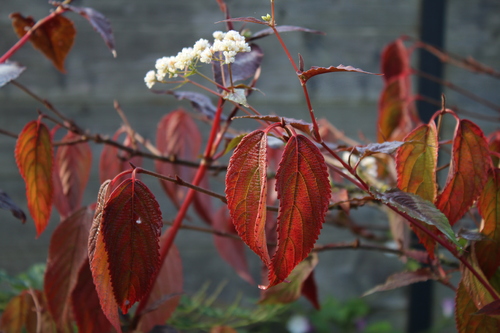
28	34
172	232
302	83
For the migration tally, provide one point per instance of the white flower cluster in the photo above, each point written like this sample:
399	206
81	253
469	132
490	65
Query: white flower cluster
229	43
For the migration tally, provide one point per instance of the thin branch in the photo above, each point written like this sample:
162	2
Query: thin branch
458	89
99	139
206	230
49	106
465	63
181	182
131	132
457	109
38	310
8	133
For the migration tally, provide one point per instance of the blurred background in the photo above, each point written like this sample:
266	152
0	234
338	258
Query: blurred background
356	32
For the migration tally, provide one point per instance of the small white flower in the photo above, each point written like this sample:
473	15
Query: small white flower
369	165
206	55
229	44
184	58
200	46
218	35
150	79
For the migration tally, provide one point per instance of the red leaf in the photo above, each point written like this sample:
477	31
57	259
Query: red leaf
467	318
178	136
54	38
113	161
310	290
397	115
315	70
85	303
494	145
489	208
231	250
416	164
34	159
131	227
20	314
468	172
246	191
304	192
492	309
202	203
99	22
395	60
165	294
290	292
479	294
67	252
60	200
99	263
73	162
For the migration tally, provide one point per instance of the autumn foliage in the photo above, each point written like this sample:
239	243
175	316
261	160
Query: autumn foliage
112	266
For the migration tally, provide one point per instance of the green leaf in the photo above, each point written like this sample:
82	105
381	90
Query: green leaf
416	165
417	208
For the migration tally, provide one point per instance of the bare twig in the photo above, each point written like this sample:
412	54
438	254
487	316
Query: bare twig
458	89
8	133
457	109
465	63
49	106
206	230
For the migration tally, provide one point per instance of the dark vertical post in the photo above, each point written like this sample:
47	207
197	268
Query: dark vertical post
432	26
432	23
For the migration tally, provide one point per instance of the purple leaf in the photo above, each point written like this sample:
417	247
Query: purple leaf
315	70
282	28
199	102
100	24
388	147
7	203
491	309
244	66
296	123
244	19
403	279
